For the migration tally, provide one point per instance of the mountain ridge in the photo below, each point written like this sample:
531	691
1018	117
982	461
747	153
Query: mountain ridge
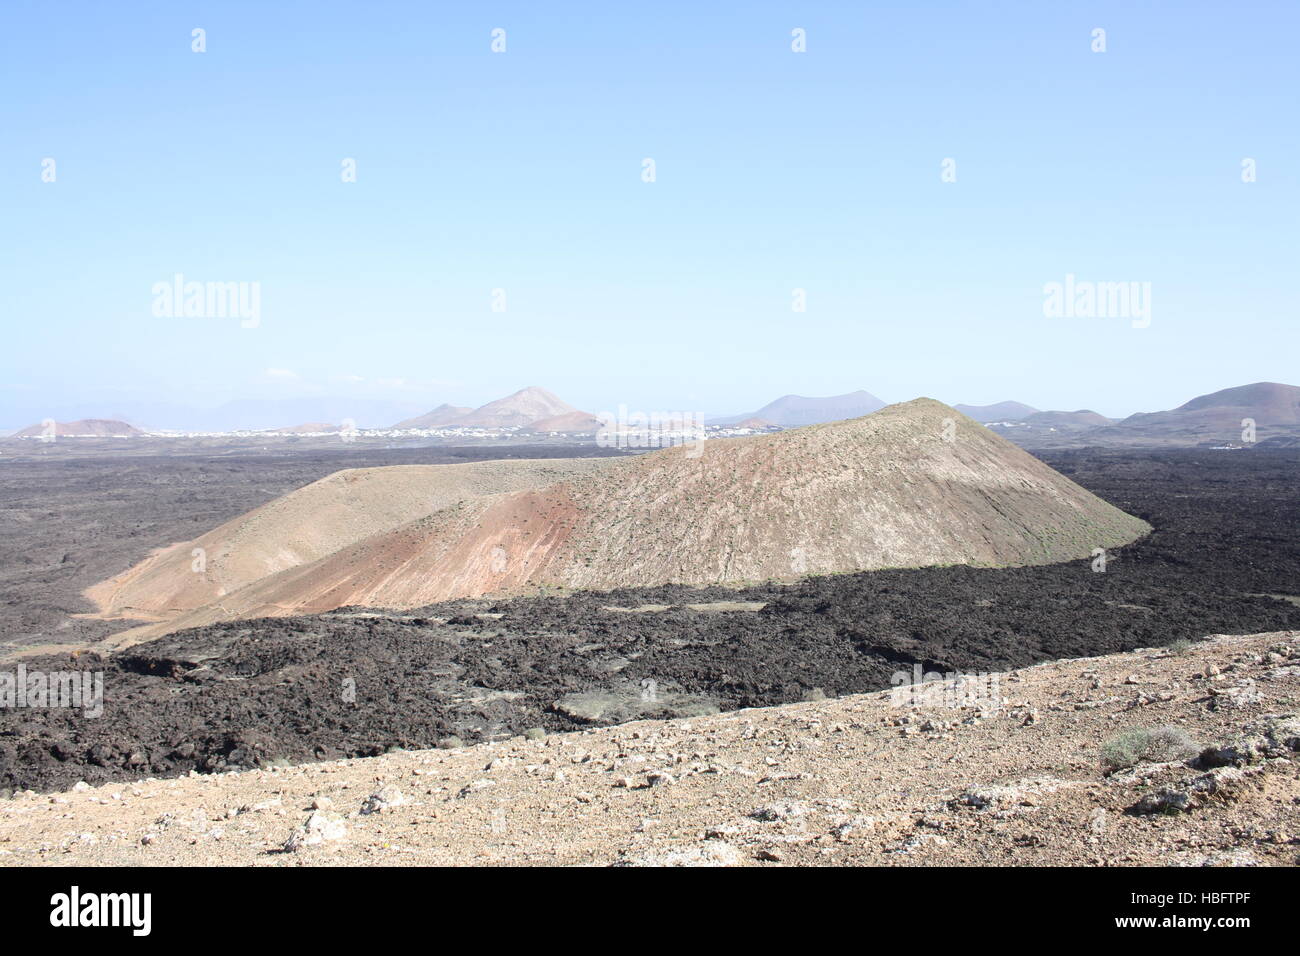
795	411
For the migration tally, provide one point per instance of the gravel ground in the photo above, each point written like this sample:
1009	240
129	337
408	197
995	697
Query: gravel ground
862	780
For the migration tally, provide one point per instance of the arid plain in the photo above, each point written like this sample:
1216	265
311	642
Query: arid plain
424	610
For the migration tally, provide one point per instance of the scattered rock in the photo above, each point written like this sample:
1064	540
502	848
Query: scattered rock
776	812
383	799
318	828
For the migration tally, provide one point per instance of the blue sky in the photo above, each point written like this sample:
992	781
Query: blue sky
522	171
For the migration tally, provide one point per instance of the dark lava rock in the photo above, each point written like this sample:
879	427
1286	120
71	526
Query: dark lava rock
261	693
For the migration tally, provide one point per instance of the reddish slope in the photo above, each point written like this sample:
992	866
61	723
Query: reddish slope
887	490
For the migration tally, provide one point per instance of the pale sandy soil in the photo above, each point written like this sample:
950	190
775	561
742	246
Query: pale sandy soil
856	780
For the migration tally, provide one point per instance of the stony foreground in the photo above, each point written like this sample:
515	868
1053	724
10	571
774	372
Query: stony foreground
856	780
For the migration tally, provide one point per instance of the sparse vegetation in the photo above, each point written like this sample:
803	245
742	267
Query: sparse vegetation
1146	744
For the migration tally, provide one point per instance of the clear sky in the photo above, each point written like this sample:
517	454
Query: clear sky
523	171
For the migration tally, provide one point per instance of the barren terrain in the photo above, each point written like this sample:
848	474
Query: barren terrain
1222	559
75	513
915	484
858	780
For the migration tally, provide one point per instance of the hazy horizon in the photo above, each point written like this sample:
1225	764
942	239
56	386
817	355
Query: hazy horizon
523	171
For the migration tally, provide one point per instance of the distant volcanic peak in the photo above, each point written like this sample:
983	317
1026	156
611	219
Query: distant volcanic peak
524	407
915	484
83	428
441	416
1221	413
1082	418
1265	395
796	410
998	412
573	423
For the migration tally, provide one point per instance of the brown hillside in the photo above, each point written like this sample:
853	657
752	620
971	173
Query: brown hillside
306	525
886	490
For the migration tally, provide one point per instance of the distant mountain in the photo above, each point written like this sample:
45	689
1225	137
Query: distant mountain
443	415
524	407
1215	418
792	411
999	412
1083	418
84	428
1219	415
573	423
1269	403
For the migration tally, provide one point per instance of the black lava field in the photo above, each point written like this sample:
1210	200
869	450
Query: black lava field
353	682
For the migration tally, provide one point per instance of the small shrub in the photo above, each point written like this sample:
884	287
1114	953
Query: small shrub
1140	744
1180	646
